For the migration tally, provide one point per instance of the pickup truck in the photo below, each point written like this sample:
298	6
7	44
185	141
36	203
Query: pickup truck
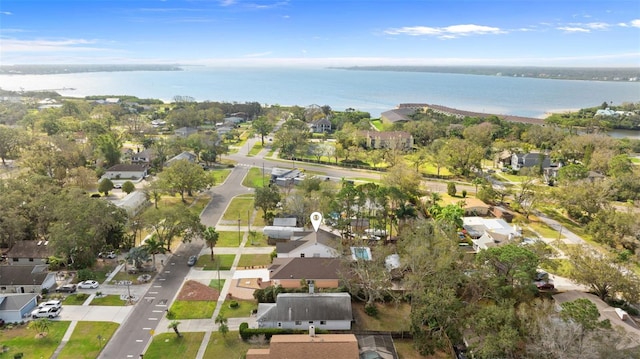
47	312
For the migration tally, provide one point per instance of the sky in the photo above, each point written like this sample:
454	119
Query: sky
583	33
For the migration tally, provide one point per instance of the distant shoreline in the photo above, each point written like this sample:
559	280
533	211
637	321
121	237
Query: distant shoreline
74	69
622	74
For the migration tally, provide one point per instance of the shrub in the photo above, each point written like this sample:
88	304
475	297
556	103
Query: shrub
233	304
464	193
451	189
44	291
170	314
85	274
98	294
371	310
82	296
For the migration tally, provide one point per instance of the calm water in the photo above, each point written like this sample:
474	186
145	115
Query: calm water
371	91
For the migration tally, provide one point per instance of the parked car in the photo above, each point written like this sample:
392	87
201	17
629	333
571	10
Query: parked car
50	304
88	284
109	255
66	288
192	261
48	312
542	285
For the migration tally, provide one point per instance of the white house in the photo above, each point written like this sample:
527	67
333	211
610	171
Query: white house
329	311
133	203
489	232
133	171
321	244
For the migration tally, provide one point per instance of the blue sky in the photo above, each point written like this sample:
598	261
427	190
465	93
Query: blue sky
322	32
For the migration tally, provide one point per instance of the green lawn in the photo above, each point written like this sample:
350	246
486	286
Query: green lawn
226	261
23	340
168	345
221	174
249	260
242	310
110	300
75	299
391	317
230	346
217	284
257	239
255	178
561	267
239	208
88	339
228	239
255	149
544	230
193	309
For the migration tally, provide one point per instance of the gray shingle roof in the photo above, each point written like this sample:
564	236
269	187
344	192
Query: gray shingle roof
15	301
307	268
307	307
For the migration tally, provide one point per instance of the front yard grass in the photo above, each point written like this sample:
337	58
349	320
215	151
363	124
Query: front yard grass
238	209
112	300
253	260
168	345
225	260
230	346
22	340
228	239
544	230
244	308
75	299
257	239
85	343
193	309
217	284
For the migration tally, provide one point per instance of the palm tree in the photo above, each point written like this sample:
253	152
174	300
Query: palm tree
154	246
211	238
223	328
174	325
40	325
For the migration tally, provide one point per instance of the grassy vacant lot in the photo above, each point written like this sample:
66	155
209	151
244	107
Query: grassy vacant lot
168	345
238	209
110	300
226	260
84	342
255	178
22	340
243	309
193	309
249	260
228	239
391	317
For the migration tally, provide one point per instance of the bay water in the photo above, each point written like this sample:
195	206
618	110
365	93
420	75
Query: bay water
370	91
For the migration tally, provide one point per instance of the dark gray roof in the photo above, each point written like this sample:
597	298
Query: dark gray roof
305	307
23	274
128	167
15	301
323	237
30	249
304	268
398	115
288	246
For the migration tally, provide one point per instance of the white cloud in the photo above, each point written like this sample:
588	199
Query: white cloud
227	2
597	25
447	32
635	23
6	13
13	45
573	29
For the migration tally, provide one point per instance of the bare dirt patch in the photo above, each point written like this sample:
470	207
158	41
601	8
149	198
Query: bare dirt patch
192	290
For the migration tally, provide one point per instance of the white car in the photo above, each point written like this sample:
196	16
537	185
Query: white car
49	312
88	284
50	304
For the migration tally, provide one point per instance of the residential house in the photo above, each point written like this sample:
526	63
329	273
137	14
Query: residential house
286	176
322	125
233	121
329	311
126	171
14	308
320	244
288	272
26	279
285	221
399	140
503	213
475	207
522	160
144	156
185	131
283	229
616	316
191	157
503	159
29	252
489	232
316	346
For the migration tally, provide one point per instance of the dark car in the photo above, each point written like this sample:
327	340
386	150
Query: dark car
67	288
192	261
